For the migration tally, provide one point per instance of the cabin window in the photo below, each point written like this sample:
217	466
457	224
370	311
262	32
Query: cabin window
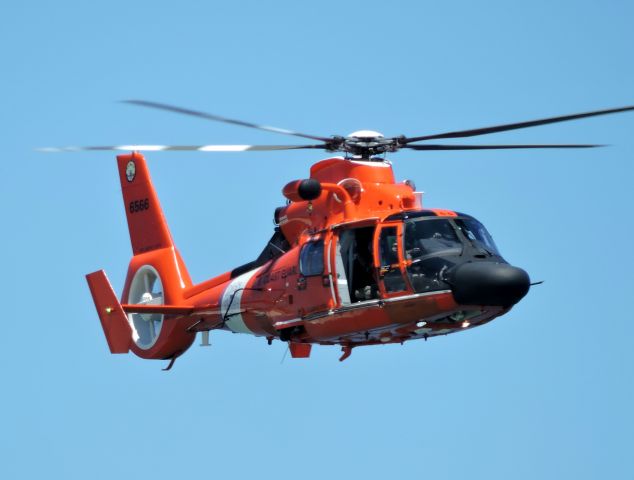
311	259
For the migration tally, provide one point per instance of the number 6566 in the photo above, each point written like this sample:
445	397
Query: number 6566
139	205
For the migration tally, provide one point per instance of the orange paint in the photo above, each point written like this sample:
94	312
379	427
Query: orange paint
300	296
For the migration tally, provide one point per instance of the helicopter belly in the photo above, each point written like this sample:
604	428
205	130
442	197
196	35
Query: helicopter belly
397	320
376	315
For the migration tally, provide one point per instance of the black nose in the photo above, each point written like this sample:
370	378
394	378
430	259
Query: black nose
488	283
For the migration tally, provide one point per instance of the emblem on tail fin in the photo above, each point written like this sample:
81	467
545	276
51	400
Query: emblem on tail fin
130	170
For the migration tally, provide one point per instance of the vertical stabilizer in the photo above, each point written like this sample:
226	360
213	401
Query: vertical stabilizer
113	320
146	222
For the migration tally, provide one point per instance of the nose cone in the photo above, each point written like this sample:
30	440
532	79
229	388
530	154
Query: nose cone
488	283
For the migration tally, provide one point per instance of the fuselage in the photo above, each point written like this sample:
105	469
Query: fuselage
362	263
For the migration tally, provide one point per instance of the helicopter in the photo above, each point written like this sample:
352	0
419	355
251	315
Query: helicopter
355	258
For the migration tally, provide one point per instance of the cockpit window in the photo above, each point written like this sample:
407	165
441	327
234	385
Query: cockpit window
430	237
433	246
477	234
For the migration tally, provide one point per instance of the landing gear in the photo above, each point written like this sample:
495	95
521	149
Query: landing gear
285	335
347	351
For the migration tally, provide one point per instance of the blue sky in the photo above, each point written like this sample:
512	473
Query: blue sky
545	392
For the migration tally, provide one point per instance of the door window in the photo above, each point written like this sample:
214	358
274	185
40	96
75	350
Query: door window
390	265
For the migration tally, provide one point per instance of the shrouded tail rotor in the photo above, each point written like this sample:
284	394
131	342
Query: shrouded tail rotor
146	288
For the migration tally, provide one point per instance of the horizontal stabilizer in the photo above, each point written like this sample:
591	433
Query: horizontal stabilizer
185	310
162	309
113	319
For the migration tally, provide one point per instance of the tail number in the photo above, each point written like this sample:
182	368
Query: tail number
139	205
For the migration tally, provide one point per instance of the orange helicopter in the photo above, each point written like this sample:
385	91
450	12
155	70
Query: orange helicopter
355	259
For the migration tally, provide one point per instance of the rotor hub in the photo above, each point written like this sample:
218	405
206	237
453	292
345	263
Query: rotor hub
365	144
365	134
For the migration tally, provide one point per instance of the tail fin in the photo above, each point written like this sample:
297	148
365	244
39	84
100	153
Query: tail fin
150	237
146	222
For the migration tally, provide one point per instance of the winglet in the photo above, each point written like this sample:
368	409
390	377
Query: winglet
113	319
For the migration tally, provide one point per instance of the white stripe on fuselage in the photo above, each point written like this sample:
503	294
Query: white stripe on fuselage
232	309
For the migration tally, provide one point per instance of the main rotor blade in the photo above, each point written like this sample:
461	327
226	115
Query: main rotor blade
492	147
218	118
199	148
514	126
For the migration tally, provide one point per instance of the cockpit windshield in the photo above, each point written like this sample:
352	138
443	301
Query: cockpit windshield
477	234
430	237
432	246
